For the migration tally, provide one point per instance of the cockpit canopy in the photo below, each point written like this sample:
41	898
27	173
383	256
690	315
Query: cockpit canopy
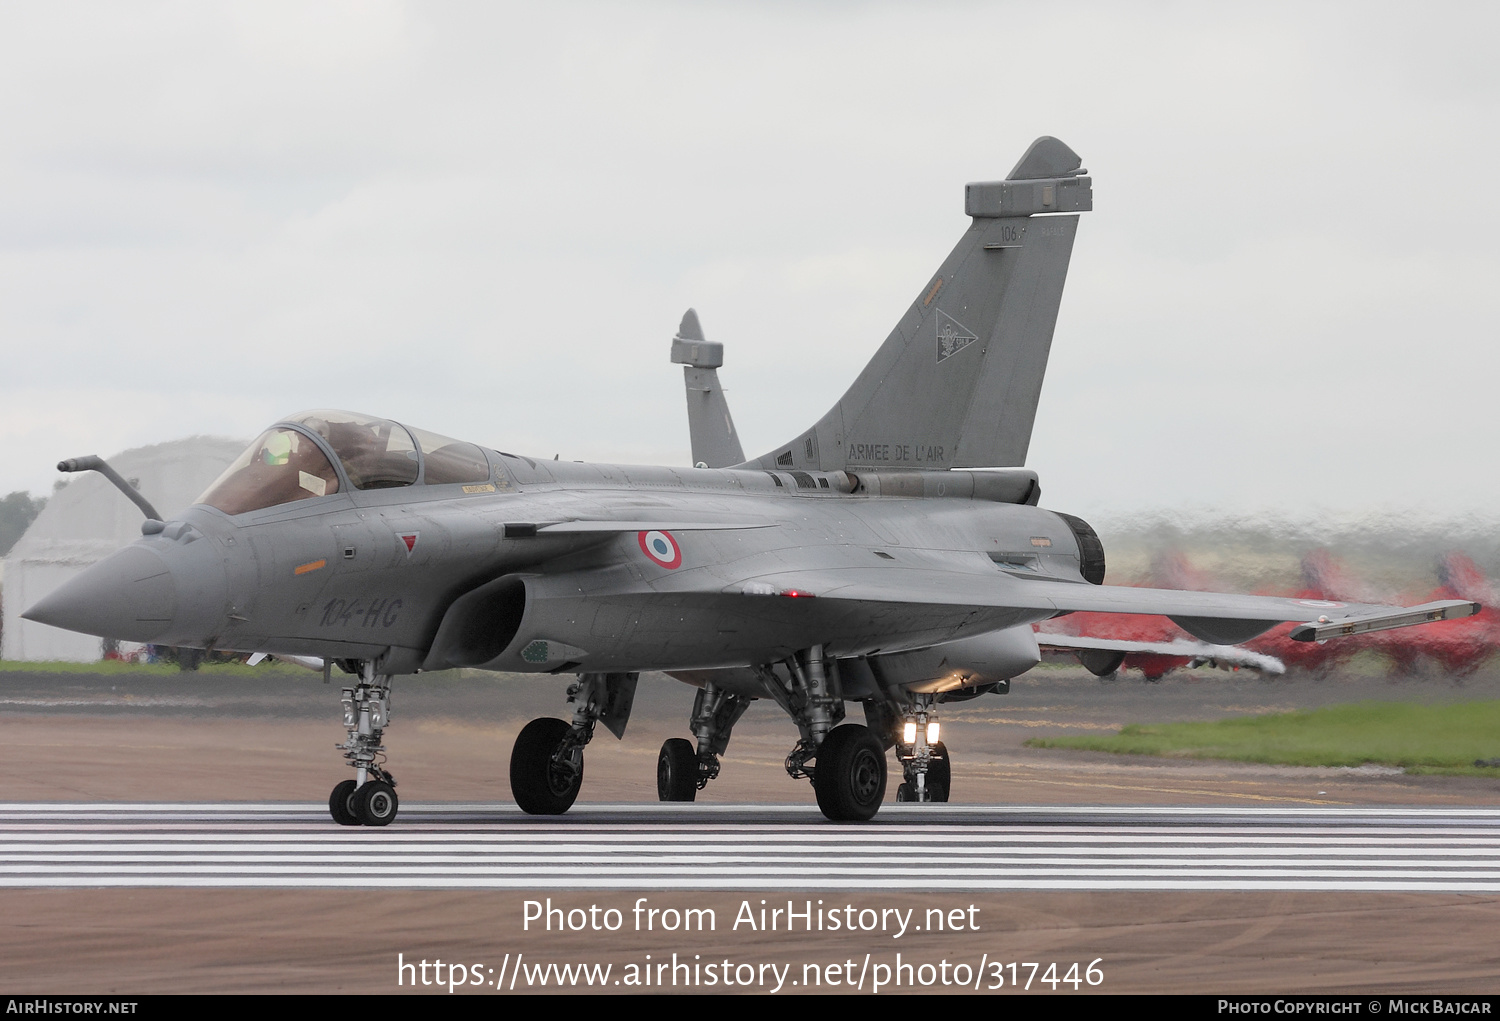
291	461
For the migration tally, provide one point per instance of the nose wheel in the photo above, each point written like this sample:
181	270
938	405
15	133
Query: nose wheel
340	803
938	781
927	771
374	804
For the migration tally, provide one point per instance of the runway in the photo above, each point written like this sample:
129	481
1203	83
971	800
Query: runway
907	848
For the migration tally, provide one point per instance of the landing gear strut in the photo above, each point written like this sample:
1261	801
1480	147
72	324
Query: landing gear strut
681	770
925	765
849	773
370	798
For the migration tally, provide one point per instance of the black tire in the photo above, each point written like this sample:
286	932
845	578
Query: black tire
939	773
376	803
340	806
677	771
539	787
850	775
1101	662
938	781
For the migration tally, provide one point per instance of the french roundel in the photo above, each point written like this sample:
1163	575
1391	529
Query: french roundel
662	548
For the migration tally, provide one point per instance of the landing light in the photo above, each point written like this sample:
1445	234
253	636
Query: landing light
932	732
909	733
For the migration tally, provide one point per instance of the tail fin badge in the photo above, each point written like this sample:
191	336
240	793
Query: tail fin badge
661	548
952	336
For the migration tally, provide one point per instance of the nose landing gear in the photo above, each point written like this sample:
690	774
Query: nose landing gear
370	798
925	766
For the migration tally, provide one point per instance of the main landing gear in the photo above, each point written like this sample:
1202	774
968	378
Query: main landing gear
370	798
844	761
546	763
546	766
683	770
848	774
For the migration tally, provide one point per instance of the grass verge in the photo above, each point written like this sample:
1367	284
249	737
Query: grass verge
1443	739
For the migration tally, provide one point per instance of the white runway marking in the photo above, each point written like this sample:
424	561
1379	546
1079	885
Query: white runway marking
761	847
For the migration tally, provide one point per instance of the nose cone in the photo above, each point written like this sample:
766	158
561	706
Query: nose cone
130	595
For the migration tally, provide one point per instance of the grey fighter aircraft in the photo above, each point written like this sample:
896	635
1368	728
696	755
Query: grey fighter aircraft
868	560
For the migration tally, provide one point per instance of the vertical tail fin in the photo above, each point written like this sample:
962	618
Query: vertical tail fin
956	384
715	443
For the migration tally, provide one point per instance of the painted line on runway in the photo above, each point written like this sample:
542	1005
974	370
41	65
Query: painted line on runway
754	847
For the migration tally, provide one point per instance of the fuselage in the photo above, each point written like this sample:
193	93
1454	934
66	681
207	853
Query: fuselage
552	566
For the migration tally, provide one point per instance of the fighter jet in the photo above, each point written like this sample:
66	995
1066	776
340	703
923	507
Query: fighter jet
869	560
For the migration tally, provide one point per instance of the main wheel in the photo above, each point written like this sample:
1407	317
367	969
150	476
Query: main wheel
375	803
940	772
677	771
850	775
540	786
340	804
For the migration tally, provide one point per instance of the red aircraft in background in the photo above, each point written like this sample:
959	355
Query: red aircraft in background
1154	645
1106	643
1467	646
1326	580
1457	652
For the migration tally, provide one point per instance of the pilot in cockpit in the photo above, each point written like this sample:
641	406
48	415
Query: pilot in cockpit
281	467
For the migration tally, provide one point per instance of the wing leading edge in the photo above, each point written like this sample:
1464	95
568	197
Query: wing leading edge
1217	618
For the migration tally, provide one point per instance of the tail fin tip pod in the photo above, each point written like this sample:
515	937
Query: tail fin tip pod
956	384
688	331
1047	157
710	427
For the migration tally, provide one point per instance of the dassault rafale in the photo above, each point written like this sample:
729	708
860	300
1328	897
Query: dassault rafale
893	555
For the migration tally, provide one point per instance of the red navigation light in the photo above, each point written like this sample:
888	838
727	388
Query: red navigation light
794	593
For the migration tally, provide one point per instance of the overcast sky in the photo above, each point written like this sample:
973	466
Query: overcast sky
487	219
